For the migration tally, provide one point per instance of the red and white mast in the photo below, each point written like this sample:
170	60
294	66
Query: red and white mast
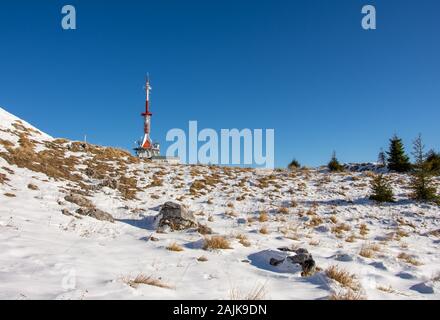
146	142
146	148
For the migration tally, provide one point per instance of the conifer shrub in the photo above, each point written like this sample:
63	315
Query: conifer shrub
397	159
421	182
381	189
334	165
294	165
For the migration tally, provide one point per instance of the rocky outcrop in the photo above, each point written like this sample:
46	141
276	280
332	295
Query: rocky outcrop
175	216
78	200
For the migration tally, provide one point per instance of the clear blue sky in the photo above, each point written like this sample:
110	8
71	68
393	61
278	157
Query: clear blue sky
303	67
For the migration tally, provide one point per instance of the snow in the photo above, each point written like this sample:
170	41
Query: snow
47	255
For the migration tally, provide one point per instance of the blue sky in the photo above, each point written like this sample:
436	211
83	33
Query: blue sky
305	68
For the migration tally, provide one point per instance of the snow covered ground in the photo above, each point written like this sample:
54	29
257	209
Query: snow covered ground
392	251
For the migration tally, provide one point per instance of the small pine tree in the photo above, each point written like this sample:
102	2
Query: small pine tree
421	182
381	189
382	159
397	159
294	165
334	164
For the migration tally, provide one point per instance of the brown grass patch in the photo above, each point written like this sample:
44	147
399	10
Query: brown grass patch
340	228
283	210
369	250
216	242
363	229
146	280
409	259
343	277
264	217
243	240
315	221
256	293
174	247
351	238
264	230
347	295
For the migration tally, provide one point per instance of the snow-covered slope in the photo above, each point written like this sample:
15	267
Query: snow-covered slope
48	251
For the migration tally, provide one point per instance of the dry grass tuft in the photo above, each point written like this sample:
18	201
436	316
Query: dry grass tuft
340	228
257	293
264	230
147	280
369	250
315	221
388	289
363	229
409	259
216	242
174	247
243	240
347	295
333	219
343	277
283	210
264	217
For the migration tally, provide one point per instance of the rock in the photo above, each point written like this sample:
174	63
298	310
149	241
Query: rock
33	186
302	257
96	213
275	262
344	257
66	212
204	229
176	217
322	229
78	200
241	221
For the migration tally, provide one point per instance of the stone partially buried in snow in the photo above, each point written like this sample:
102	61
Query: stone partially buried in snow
96	213
175	217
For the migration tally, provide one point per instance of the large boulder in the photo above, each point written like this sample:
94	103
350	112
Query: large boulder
175	216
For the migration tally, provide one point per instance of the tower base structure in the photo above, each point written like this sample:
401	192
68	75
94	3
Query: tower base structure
148	153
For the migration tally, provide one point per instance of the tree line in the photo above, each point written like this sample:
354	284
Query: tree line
426	165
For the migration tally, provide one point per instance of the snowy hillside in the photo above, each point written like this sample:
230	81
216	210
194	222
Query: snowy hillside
77	222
